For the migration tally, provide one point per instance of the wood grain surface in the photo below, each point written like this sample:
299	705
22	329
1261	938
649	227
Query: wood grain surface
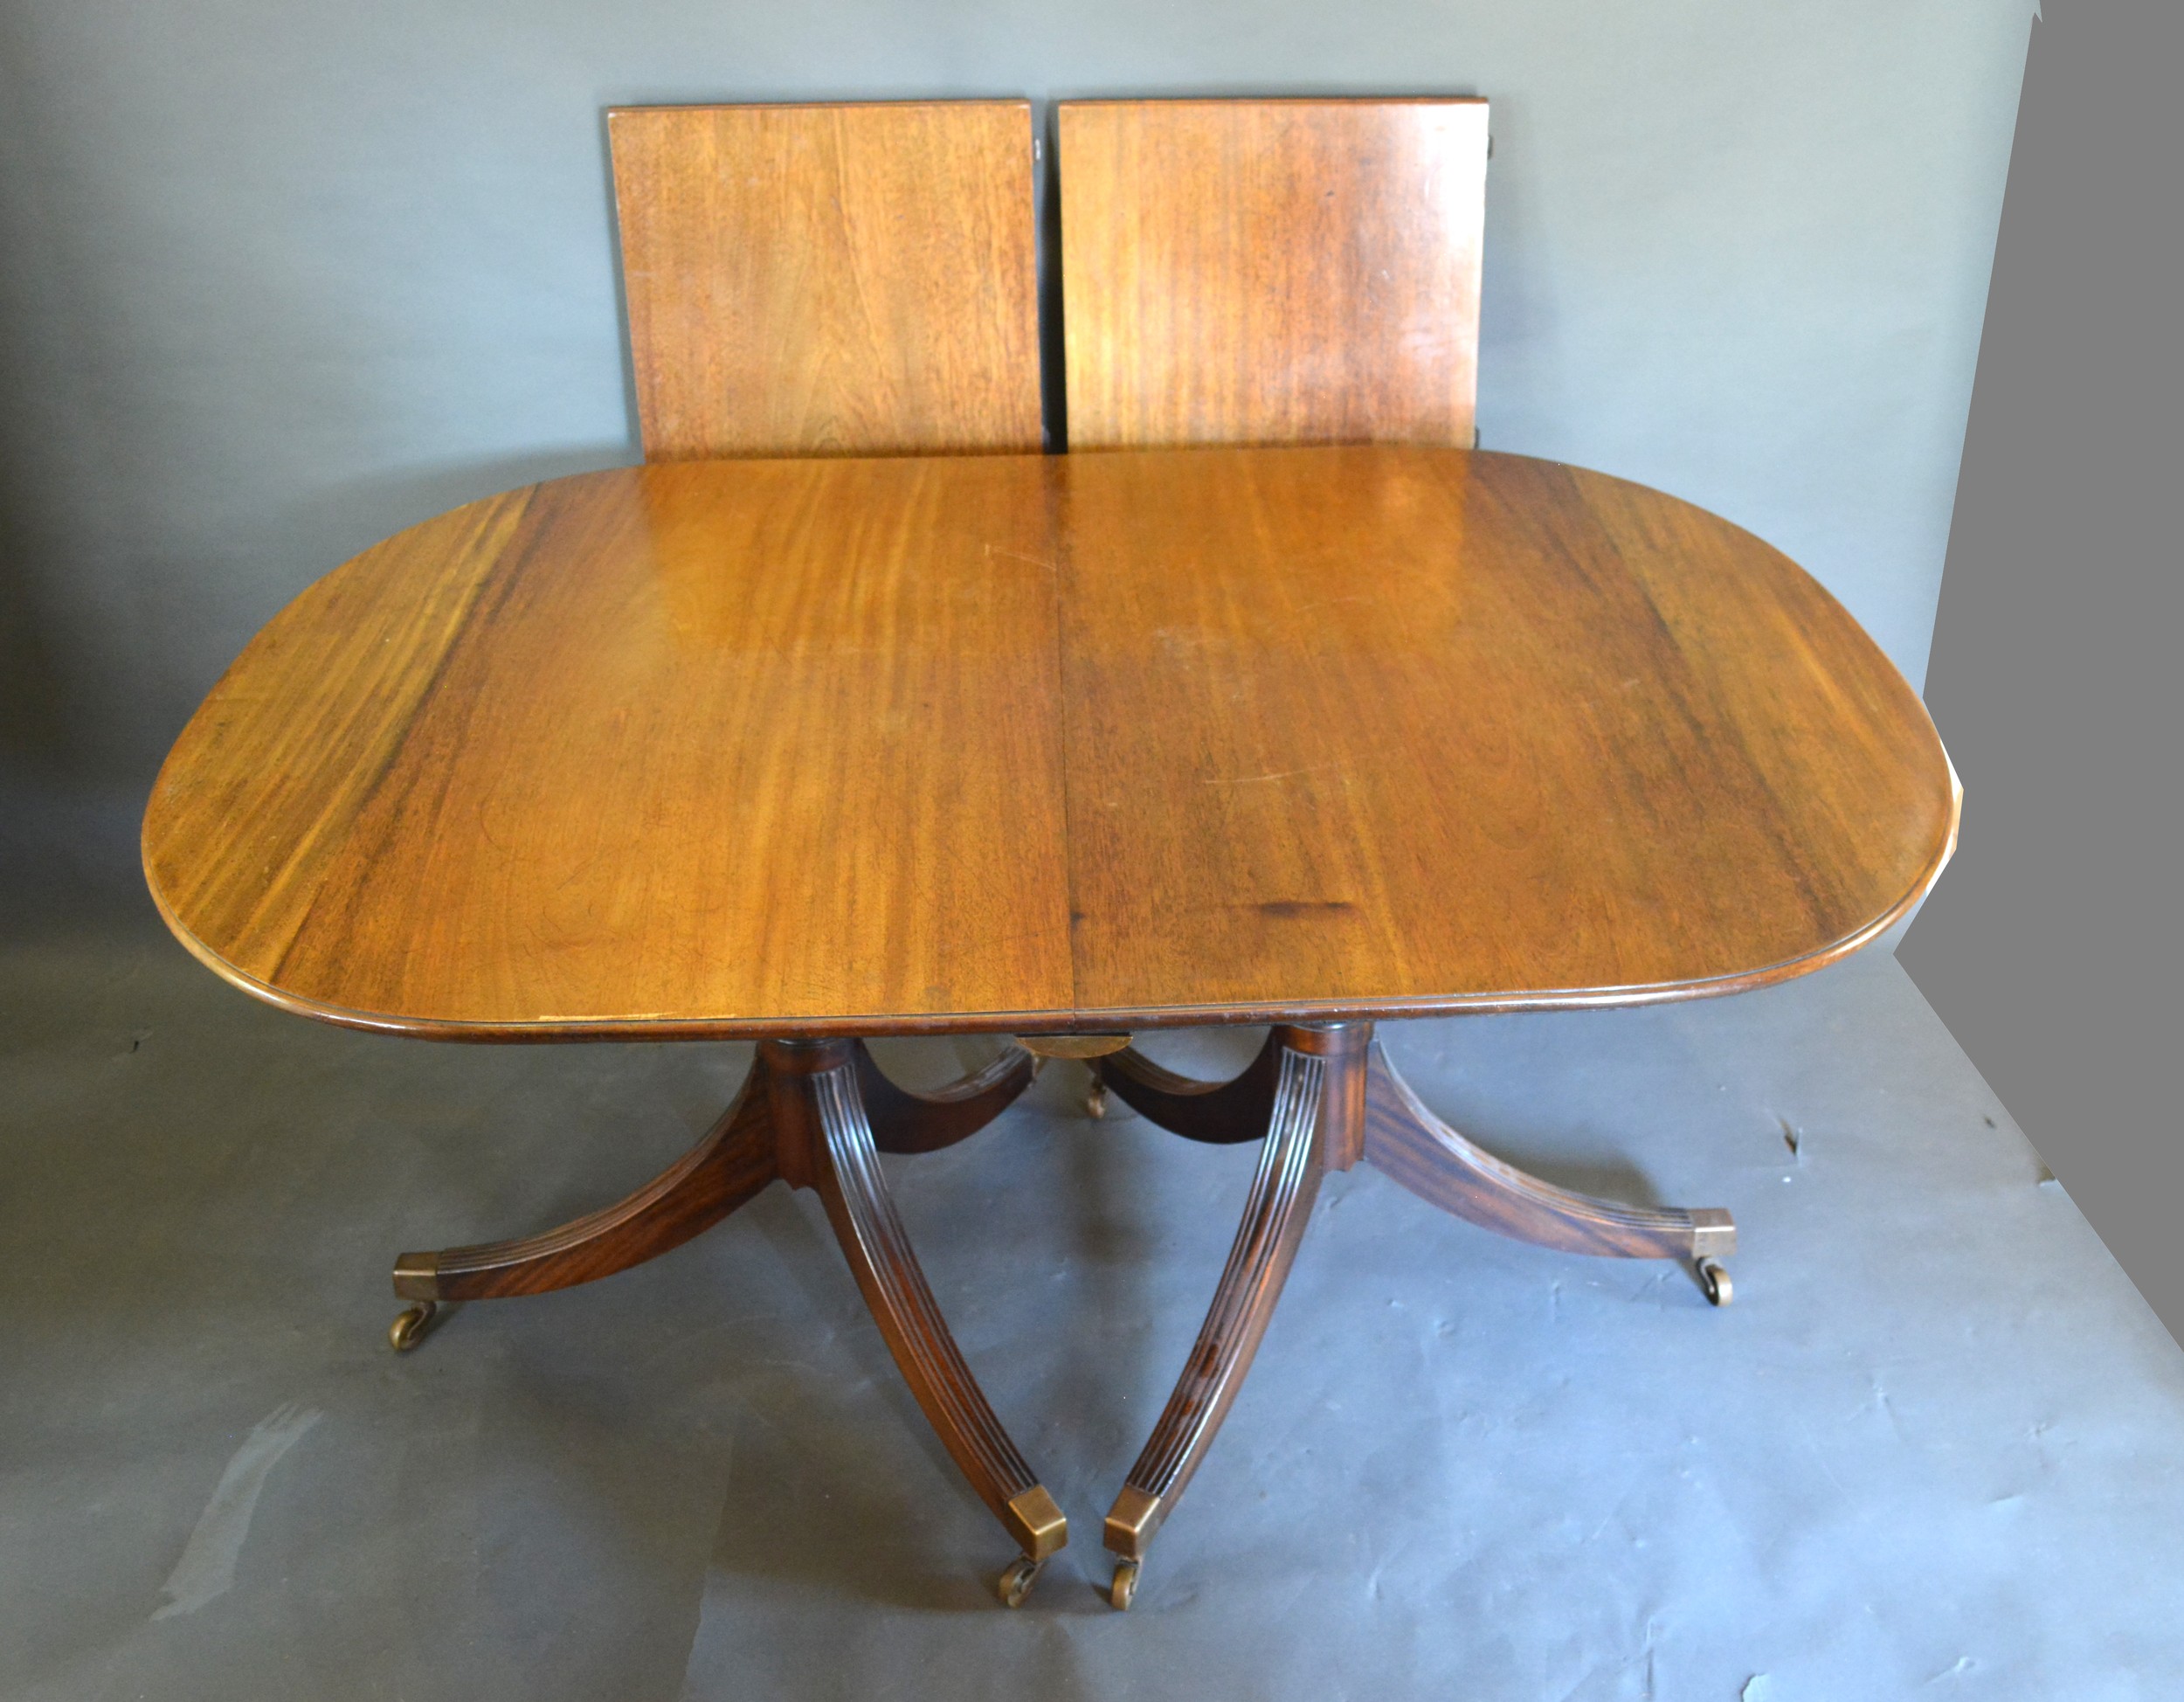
1031	744
1271	272
844	280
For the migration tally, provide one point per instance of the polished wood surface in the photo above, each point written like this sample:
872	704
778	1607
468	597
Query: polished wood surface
1271	272
1371	722
689	741
1027	744
843	280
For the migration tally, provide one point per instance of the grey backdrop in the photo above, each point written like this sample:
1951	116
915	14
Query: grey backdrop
2051	948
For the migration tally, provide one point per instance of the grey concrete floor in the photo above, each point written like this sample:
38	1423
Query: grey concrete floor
1935	1447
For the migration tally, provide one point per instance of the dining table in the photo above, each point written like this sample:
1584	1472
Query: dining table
1062	750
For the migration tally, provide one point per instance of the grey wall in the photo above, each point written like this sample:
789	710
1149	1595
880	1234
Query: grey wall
2052	949
279	278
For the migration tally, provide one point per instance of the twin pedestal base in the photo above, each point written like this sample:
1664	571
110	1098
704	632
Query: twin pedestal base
817	1114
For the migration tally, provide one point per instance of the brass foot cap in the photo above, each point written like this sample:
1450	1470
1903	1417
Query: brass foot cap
1131	1521
1713	1233
1037	1523
416	1276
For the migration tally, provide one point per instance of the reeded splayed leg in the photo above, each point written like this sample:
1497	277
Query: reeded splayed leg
825	1143
730	1165
734	1162
1434	1162
801	1116
1316	1078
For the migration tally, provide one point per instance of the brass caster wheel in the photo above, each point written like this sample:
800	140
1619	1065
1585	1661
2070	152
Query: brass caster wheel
1714	1281
1016	1583
1095	1099
408	1329
1124	1590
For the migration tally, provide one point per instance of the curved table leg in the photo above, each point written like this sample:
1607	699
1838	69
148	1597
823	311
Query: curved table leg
1434	1162
1317	1074
903	1121
801	1116
1222	1113
732	1163
825	1143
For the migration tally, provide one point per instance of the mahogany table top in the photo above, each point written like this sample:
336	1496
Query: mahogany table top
1033	744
